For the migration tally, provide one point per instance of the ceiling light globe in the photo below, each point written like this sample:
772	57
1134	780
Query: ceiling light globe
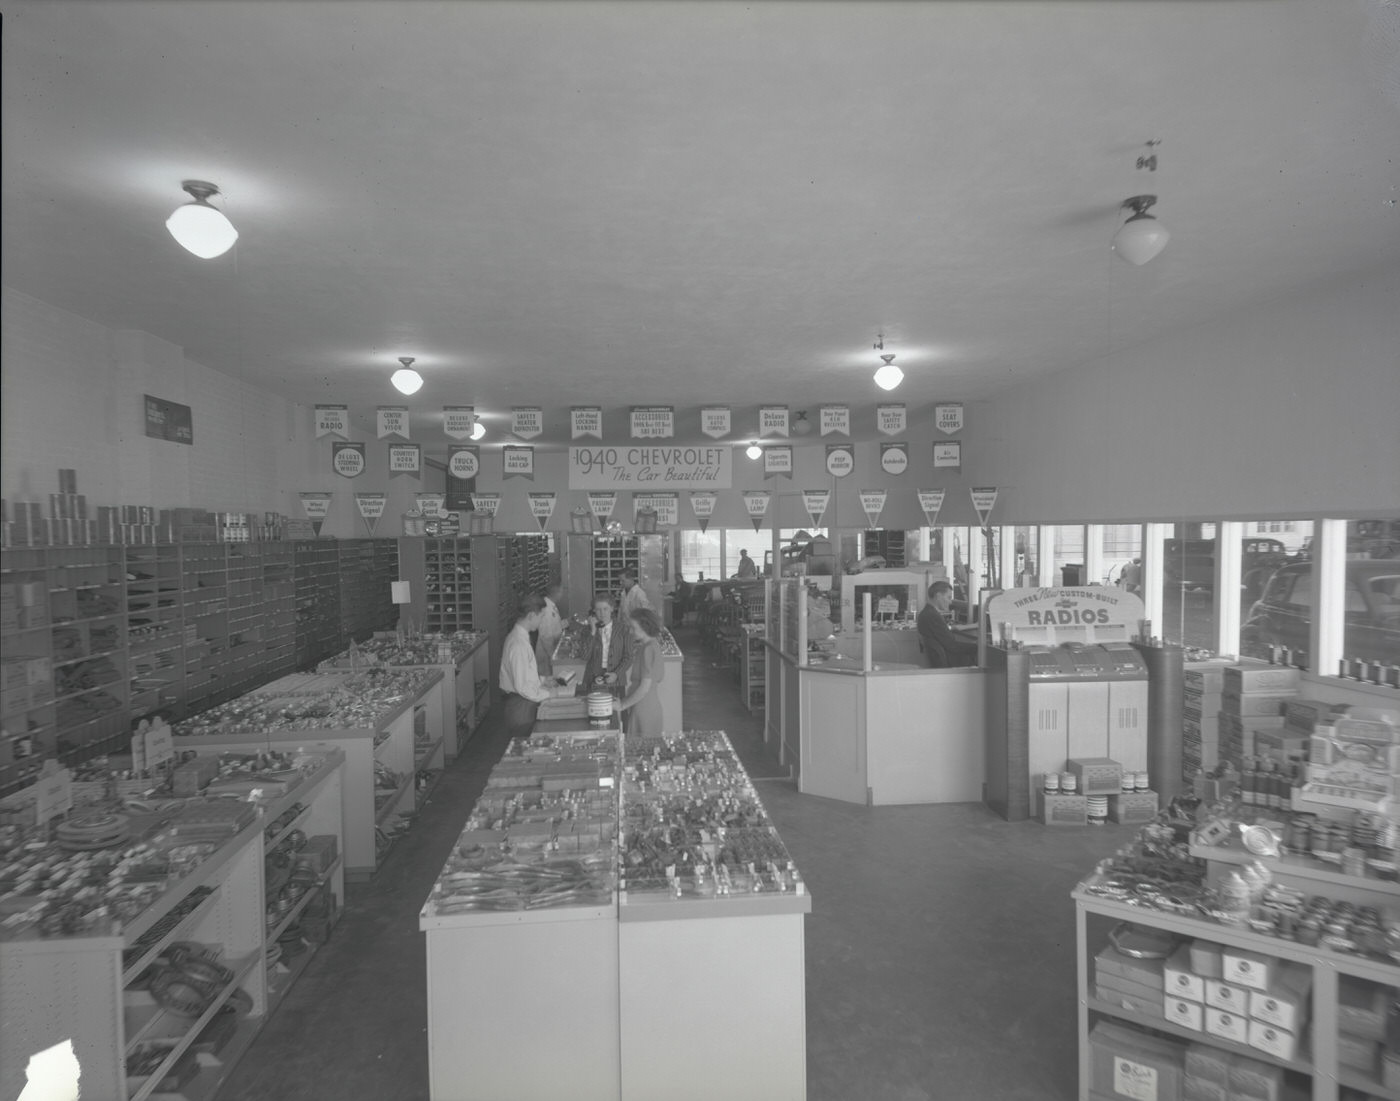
1141	239
202	230
888	377
406	380
478	430
754	452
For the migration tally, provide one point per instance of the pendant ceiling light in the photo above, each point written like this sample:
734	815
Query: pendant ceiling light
801	426
478	430
888	376
753	451
199	227
406	380
1141	237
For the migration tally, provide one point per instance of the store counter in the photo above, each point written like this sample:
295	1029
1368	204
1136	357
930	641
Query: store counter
571	655
896	734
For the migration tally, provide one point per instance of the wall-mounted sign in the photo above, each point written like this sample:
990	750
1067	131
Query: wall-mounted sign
984	499
948	417
836	418
463	461
371	506
405	459
703	505
431	504
653	422
715	421
931	501
392	420
894	458
891	420
840	459
527	421
169	420
643	467
586	420
773	420
542	507
1053	616
332	420
947	455
873	502
348	459
602	505
777	461
756	502
486	503
317	507
458	421
667	507
815	501
518	462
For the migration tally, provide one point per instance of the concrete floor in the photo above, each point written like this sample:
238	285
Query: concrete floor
940	947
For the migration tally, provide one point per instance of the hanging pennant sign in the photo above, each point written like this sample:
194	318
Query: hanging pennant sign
703	505
602	505
891	419
948	418
518	462
458	421
840	459
586	420
948	455
777	461
332	420
348	459
542	507
894	458
756	501
983	498
714	421
773	420
431	504
393	420
371	506
815	501
836	418
873	501
667	507
463	461
653	422
931	501
317	507
527	421
486	503
405	458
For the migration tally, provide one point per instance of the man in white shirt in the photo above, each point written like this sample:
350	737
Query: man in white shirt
520	674
551	628
633	595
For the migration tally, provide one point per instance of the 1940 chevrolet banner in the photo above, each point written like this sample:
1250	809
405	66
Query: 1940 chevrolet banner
647	467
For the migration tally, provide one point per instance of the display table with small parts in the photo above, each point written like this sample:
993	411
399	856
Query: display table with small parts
162	953
370	715
1237	968
464	659
602	888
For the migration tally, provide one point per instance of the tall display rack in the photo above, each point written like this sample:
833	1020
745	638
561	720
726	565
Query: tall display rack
592	564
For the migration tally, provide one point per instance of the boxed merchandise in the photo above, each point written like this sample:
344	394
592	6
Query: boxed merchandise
1097	775
1207	959
1285	1002
194	775
1062	810
319	852
1352	1051
1179	980
1253	1078
1282	746
1221	995
1129	1063
1139	807
1302	715
1208	1063
1260	676
1149	1005
1115	964
1181	1011
1204	676
1361	1008
1250	969
1227	1025
1278	1042
1390	1069
1202	1089
1248	704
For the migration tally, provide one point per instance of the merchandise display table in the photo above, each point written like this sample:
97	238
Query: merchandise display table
371	716
627	899
466	675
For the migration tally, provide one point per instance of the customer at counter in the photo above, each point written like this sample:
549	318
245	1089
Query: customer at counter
942	649
641	706
610	645
520	675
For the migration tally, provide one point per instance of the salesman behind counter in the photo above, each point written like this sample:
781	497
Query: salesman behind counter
942	647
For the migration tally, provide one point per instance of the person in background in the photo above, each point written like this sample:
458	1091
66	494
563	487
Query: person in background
1131	578
551	628
681	606
610	646
819	625
641	705
941	648
746	566
520	675
633	595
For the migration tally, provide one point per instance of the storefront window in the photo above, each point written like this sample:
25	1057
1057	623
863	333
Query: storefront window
700	554
1068	565
1188	586
1026	549
806	551
737	539
1371	632
1268	546
1120	545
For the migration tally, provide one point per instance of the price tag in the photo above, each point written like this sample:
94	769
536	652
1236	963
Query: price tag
53	795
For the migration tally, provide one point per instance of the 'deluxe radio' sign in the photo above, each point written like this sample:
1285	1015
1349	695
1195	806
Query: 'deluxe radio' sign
645	468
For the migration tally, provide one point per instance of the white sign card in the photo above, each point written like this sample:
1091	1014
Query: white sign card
586	420
518	462
317	506
983	500
948	417
602	505
715	421
371	506
891	419
458	421
527	421
703	505
463	461
431	504
667	507
777	461
931	501
392	421
873	501
840	459
815	501
332	420
486	503
405	458
773	420
836	418
542	507
650	467
756	502
653	422
348	459
947	455
894	458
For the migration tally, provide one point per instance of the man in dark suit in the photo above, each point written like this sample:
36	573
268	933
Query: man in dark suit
942	649
610	649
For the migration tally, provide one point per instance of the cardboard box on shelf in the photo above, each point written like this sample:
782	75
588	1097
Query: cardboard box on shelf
1112	963
1097	775
1179	980
1352	1051
1135	808
1208	1062
1278	1042
1260	676
1207	959
1285	1003
1062	810
1249	704
1227	1025
1361	1008
1128	1063
1184	1012
1249	969
1221	995
1202	1089
1253	1078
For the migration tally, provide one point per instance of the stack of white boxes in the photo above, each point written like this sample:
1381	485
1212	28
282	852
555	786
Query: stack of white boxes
1253	698
1200	723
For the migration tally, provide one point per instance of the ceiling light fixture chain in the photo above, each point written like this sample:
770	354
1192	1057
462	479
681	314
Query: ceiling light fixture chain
1149	162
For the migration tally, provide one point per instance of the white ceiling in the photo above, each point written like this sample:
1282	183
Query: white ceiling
676	203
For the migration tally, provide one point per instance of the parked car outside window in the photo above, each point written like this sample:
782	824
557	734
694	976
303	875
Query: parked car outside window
1283	615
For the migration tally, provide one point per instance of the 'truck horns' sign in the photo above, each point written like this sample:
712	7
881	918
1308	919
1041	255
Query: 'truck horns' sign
645	467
